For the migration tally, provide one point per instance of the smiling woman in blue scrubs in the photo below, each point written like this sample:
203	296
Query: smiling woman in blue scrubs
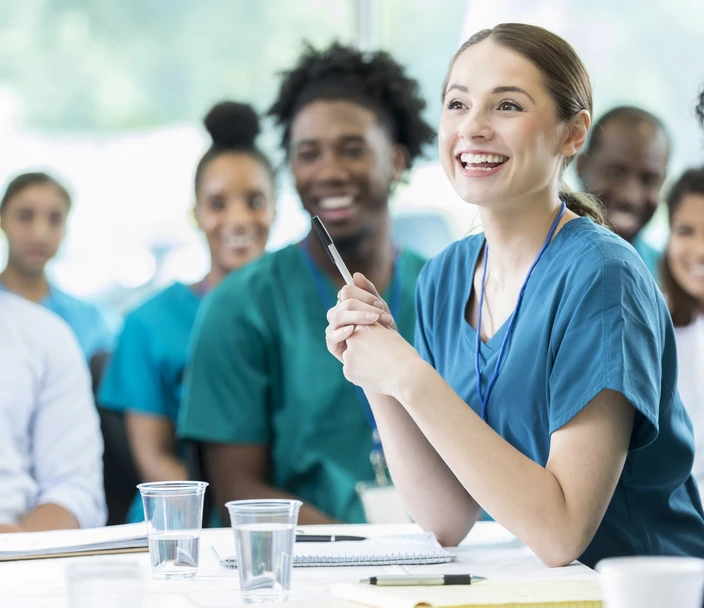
544	387
234	188
33	214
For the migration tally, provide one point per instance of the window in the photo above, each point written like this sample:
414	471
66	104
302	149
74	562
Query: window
109	97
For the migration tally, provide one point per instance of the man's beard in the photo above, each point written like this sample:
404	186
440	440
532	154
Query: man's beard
352	243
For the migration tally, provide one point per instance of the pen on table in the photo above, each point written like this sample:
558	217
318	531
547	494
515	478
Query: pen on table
422	580
325	538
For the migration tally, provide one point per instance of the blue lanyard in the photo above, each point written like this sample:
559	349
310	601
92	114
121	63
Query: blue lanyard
483	400
328	302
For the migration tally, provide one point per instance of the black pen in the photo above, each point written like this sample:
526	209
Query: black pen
325	538
331	249
422	580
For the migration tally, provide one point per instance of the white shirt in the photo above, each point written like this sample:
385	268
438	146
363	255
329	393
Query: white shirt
51	447
690	355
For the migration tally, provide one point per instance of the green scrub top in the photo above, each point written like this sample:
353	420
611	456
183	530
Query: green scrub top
260	373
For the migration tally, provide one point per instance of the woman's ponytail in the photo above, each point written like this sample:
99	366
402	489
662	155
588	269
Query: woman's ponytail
584	205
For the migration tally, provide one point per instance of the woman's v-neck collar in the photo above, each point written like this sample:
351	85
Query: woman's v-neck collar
494	343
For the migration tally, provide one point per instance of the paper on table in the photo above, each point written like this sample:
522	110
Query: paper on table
489	534
172	601
507	594
62	543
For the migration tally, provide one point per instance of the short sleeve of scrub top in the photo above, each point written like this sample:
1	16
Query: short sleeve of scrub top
145	373
606	335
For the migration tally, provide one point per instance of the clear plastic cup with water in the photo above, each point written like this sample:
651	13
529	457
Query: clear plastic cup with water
173	511
265	533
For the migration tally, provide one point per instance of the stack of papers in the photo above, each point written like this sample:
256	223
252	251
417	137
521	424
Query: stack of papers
129	538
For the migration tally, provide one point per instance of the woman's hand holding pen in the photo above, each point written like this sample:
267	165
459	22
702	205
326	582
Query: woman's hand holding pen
358	304
358	335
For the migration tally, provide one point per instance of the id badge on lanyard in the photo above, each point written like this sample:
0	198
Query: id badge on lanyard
379	498
376	457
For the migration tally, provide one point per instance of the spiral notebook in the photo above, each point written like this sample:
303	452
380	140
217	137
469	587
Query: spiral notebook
385	551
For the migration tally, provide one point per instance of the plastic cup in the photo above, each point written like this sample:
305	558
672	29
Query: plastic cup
265	533
174	514
104	584
652	582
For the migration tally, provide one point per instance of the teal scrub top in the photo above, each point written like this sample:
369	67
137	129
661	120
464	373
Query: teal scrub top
145	373
261	374
85	319
592	318
648	254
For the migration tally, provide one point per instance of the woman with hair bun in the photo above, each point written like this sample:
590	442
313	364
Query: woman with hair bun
234	208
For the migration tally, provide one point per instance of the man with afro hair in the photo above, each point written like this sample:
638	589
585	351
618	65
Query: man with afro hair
270	405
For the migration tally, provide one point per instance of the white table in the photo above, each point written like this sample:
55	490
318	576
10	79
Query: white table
488	551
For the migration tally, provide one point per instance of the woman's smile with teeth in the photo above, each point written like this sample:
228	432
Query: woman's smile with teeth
697	271
482	161
239	241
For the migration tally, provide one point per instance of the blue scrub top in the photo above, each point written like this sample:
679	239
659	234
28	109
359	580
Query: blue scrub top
86	320
145	374
592	318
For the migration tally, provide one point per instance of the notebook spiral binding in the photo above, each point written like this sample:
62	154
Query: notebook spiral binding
301	561
312	561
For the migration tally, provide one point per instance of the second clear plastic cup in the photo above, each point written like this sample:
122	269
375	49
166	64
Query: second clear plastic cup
173	511
265	533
